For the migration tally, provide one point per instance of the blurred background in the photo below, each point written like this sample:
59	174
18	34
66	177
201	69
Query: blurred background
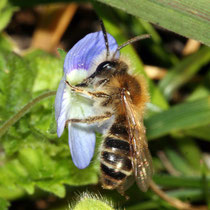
36	170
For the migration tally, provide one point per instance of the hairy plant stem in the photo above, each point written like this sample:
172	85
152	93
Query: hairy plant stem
23	111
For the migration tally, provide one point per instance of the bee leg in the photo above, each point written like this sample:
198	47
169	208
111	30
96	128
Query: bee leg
89	93
91	120
122	192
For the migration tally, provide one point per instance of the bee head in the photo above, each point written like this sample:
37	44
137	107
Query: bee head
103	68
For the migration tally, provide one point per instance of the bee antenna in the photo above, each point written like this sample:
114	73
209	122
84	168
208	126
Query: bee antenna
130	41
105	38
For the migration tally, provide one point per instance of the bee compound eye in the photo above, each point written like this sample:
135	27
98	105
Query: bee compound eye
104	66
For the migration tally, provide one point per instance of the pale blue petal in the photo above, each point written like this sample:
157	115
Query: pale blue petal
62	106
82	144
89	52
69	105
58	98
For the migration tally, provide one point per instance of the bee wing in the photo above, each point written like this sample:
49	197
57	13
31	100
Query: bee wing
141	158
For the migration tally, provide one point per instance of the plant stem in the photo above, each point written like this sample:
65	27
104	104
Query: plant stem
23	111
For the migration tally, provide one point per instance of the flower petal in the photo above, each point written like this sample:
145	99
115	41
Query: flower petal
82	144
89	52
58	98
62	107
70	105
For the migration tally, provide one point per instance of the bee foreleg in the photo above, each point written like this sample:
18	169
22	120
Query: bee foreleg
89	93
91	120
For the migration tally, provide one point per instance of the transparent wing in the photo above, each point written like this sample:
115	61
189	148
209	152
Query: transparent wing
141	158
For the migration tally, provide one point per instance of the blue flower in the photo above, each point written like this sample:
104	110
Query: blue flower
80	62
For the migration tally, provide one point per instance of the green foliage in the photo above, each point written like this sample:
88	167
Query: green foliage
33	159
3	204
184	71
179	118
6	12
182	17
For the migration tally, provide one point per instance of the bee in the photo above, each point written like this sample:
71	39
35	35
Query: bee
121	97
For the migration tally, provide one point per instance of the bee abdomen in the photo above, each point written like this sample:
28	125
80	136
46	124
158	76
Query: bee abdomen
112	173
117	161
116	164
117	145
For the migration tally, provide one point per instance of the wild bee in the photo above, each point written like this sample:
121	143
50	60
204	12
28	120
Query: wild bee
120	98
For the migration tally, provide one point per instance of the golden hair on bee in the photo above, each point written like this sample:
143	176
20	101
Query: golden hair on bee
121	97
136	86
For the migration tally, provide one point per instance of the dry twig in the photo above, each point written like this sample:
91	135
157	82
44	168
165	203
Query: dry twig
154	72
174	201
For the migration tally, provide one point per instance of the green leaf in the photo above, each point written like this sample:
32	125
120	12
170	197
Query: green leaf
199	132
198	93
190	151
12	176
145	205
16	83
178	162
187	19
179	181
4	204
51	186
184	71
187	194
6	12
50	175
178	118
38	164
5	43
48	69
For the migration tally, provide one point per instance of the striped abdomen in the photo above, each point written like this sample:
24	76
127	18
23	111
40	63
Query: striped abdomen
115	158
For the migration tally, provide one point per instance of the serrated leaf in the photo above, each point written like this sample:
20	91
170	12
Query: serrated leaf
42	117
48	68
190	20
51	186
38	164
50	175
16	83
13	176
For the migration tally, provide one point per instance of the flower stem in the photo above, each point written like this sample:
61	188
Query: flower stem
23	111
